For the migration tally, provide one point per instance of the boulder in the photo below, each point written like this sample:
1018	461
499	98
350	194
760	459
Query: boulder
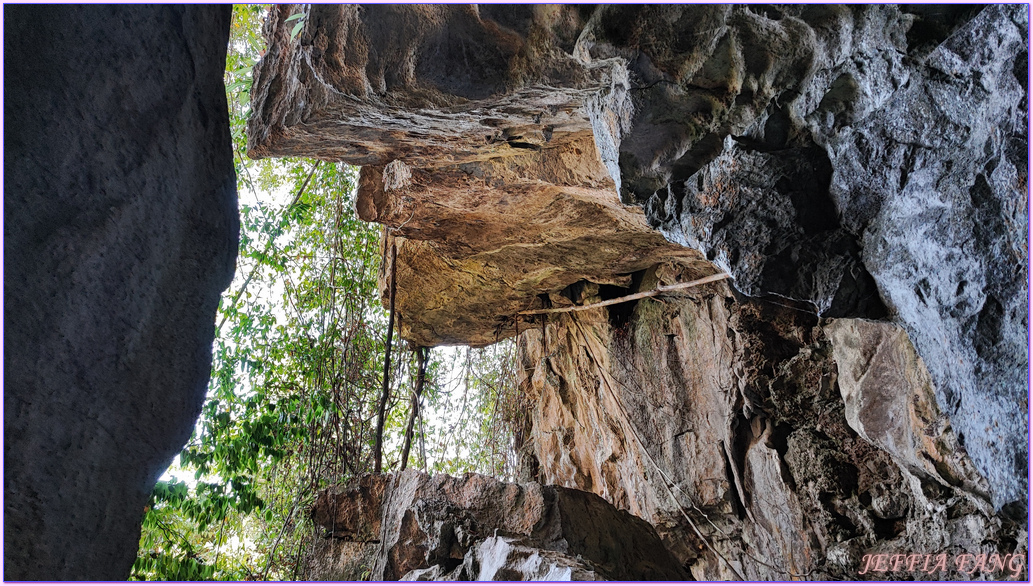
478	528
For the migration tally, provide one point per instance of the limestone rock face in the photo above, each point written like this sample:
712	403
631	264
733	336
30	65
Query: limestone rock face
844	164
478	242
794	445
431	84
484	169
916	124
120	232
766	218
474	527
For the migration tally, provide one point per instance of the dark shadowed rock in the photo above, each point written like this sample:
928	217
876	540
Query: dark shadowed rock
475	527
768	219
120	232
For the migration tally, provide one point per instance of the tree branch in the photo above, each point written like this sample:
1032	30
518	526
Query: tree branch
632	297
422	354
258	264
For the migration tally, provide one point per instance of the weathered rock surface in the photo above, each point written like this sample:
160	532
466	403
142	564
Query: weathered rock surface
894	161
478	242
850	162
484	175
477	528
876	362
120	232
794	445
766	218
430	84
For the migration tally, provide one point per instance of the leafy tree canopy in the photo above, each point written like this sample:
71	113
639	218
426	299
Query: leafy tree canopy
296	373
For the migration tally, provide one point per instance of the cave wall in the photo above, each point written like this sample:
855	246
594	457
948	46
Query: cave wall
794	444
859	171
892	160
120	233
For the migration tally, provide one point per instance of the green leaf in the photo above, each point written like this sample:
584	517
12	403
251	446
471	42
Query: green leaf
297	29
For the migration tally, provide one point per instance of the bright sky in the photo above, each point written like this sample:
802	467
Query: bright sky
443	417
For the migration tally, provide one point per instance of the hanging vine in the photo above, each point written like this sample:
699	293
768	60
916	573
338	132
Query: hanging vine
305	387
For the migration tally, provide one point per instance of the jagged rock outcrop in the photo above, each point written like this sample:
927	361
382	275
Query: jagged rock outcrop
485	172
433	84
526	224
478	528
120	232
857	387
795	445
916	124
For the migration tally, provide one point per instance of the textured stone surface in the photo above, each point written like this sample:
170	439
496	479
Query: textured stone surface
474	527
895	162
869	161
948	244
120	232
766	218
849	162
507	559
876	362
430	84
478	242
485	172
738	405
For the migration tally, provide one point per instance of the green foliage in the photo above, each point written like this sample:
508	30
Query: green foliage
245	48
171	544
300	17
471	432
296	373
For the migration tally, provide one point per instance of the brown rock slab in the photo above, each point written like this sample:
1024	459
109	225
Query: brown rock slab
890	401
478	242
475	527
489	180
